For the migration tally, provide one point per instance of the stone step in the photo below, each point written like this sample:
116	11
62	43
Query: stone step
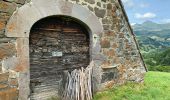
46	90
44	95
46	87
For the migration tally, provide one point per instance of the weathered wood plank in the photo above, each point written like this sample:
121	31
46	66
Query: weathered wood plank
48	39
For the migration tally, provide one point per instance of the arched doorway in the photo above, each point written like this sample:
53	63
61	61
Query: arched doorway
20	24
57	44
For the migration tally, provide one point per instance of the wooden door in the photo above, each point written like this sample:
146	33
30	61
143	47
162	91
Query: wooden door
56	44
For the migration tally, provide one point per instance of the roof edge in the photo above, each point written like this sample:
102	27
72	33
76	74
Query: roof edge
131	30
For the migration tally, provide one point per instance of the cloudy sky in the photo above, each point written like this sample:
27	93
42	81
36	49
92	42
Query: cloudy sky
139	11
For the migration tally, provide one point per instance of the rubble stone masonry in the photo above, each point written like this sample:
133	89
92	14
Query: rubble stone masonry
114	49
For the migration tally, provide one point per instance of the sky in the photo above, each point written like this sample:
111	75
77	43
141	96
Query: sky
139	11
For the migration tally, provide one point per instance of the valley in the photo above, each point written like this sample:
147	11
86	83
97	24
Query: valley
154	44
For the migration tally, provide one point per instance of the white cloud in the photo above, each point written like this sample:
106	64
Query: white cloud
147	15
128	3
165	21
144	5
132	24
133	4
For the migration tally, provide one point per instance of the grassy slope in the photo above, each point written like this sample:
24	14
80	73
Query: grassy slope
155	87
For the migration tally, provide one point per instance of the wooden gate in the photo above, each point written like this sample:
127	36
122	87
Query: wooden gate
56	44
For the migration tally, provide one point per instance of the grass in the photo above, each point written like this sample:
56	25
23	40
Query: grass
156	86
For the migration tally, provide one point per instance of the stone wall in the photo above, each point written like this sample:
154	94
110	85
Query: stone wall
118	60
118	45
8	73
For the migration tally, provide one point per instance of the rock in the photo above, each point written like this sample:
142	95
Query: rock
7	7
2	33
5	40
3	86
100	12
109	6
76	0
2	25
90	1
4	78
0	68
7	49
111	53
114	8
9	94
13	82
106	21
110	34
104	5
17	1
121	35
10	63
4	16
90	8
99	4
105	43
106	27
103	0
108	76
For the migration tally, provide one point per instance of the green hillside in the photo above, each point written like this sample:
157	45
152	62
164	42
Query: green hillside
149	40
154	44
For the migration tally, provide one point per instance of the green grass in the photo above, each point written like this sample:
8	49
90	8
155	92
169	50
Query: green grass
156	86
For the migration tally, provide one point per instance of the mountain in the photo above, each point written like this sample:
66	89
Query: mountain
152	36
151	26
154	43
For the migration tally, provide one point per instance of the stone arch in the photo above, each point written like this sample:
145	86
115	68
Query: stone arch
23	19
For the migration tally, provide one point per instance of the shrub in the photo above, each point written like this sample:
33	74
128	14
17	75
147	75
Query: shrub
159	68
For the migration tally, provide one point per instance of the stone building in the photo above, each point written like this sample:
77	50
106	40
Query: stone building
40	39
